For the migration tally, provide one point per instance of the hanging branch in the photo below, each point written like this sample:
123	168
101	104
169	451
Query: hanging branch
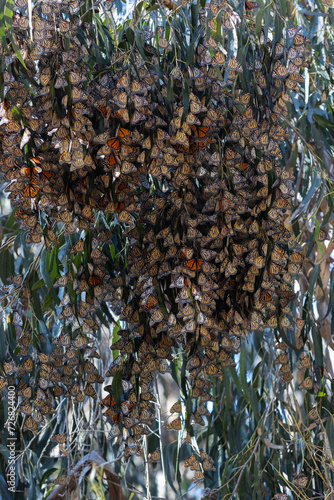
89	461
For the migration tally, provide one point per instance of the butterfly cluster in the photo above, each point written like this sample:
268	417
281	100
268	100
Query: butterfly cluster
44	377
190	166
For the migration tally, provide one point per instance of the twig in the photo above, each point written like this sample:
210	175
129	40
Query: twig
244	467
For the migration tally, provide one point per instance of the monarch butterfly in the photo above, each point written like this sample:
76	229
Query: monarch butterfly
156	455
44	358
123	81
31	171
322	235
114	432
23	352
138	87
123	114
28	365
280	72
59	438
208	465
25	408
296	258
199	476
194	264
175	425
94	280
90	391
200	131
300	480
300	323
79	247
24	393
58	391
305	361
30	425
94	378
151	303
314	415
67	312
196	107
306	384
286	377
218	60
300	39
292	32
80	342
65	27
284	369
293	69
234	65
108	401
122	132
128	168
190	461
26	338
282	358
31	190
285	322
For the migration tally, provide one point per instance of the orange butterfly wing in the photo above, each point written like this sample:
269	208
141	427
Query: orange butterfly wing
200	132
108	401
114	143
94	280
250	5
112	160
31	190
194	264
123	132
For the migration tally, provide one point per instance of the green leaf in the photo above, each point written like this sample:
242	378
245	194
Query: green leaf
9	6
138	10
140	45
130	35
4	452
258	20
330	432
2	343
44	268
313	279
236	379
39	284
186	95
117	387
4	492
317	343
47	474
32	494
168	459
153	8
254	401
170	92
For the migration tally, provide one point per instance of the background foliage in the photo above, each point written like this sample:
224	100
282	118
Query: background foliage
259	432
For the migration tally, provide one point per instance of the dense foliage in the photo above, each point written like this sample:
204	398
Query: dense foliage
167	179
